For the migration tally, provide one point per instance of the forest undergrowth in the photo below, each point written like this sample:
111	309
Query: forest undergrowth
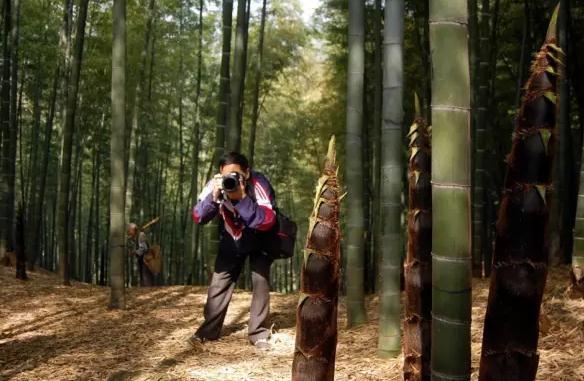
53	332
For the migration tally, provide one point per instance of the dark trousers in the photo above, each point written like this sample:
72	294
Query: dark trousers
228	266
146	276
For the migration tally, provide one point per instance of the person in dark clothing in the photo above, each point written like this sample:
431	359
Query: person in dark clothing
245	206
140	249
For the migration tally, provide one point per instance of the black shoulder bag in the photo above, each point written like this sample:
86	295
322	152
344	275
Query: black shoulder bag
279	242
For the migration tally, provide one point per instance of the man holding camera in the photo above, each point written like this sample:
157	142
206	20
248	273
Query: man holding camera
245	202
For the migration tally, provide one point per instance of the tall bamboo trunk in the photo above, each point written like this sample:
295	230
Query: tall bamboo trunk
521	250
256	90
5	221
195	228
10	169
137	113
19	245
316	315
376	143
354	173
451	193
418	264
117	145
565	159
39	210
33	168
389	344
222	116
238	79
67	148
478	208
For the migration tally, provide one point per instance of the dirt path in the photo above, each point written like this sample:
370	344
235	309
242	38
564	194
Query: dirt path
52	332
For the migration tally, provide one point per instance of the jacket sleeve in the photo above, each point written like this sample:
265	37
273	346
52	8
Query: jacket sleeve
206	209
142	245
259	214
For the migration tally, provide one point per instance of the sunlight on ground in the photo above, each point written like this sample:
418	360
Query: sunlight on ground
51	332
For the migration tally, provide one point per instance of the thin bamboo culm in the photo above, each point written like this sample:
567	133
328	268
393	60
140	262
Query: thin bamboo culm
521	249
418	263
316	316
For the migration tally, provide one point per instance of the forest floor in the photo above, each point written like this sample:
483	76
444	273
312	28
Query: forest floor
52	332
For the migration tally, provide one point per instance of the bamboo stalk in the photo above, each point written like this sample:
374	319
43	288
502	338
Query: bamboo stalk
389	343
451	192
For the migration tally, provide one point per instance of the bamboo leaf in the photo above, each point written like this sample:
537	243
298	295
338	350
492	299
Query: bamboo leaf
416	176
545	136
541	190
550	96
551	70
413	138
553	26
417	107
413	129
332	153
415	151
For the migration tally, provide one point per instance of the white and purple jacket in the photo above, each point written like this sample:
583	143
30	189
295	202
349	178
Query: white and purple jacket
256	211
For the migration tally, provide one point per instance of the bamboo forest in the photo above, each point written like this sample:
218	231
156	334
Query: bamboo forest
305	190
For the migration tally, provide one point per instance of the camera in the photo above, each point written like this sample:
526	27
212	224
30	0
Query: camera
230	182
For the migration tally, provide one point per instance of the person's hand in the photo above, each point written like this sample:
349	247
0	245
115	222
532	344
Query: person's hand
217	187
239	193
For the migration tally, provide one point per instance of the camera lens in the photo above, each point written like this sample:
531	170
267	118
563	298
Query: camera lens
230	182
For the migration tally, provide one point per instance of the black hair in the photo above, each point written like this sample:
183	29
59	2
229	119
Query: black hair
234	158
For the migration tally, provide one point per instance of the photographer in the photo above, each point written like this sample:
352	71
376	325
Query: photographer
245	201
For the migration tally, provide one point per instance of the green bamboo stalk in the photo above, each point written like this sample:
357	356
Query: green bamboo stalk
389	344
577	274
522	245
238	78
63	229
478	207
316	315
222	113
355	221
117	145
5	221
418	264
451	180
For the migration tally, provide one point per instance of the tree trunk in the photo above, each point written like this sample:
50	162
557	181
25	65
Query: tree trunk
116	230
355	261
238	80
19	245
521	250
256	89
418	266
451	193
13	136
5	220
89	269
68	131
316	314
223	111
389	344
194	243
137	113
566	162
479	225
376	144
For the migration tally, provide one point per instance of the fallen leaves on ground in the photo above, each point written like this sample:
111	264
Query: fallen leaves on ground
53	332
